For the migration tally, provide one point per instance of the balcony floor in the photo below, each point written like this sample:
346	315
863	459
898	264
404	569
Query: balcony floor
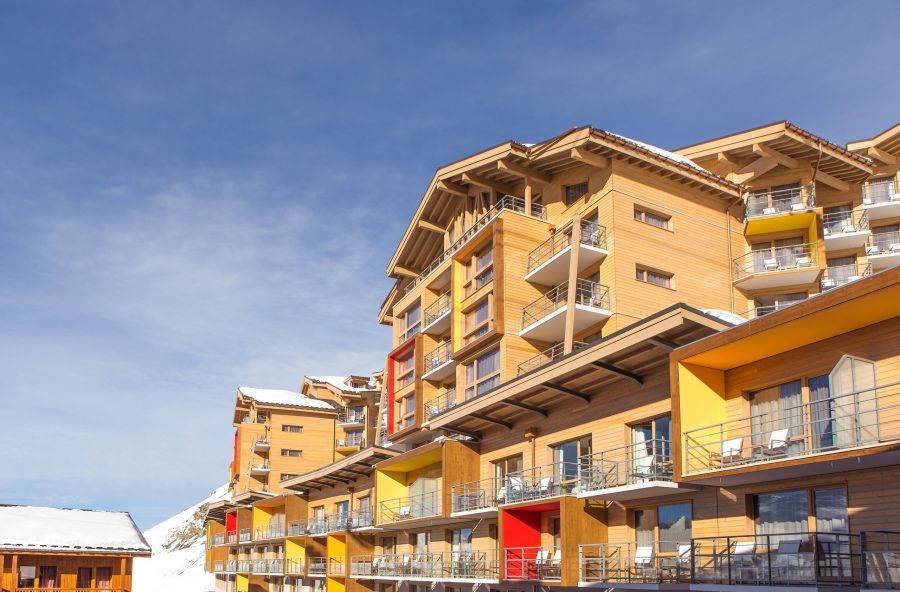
885	260
779	222
885	209
846	240
552	328
637	491
443	371
555	270
438	326
782	278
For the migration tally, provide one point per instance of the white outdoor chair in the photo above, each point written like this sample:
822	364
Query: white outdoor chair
895	247
743	561
778	444
770	264
501	494
405	512
797	207
732	450
540	561
769	211
786	565
828	283
516	488
643	468
683	559
544	487
803	261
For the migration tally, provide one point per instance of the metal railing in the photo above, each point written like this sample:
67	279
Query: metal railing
259	467
258	419
627	465
533	563
231	538
480	565
409	508
761	311
545	357
294	567
351	416
337	566
796	558
260	442
225	566
272	531
244	566
768	203
437	309
476	495
316	526
881	243
587	293
835	223
244	535
439	404
839	275
362	519
592	234
218	539
317	566
635	563
880	551
507	202
880	191
334	522
267	566
552	480
438	357
296	528
865	417
350	441
777	259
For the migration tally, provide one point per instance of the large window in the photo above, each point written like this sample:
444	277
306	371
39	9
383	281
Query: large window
652	451
478	320
27	576
575	192
48	576
776	420
566	458
104	578
412	321
483	374
667	524
787	512
83	577
461	540
406	367
504	467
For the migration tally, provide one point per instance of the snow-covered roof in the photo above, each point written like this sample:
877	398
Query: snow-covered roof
724	315
662	152
282	397
341	383
34	528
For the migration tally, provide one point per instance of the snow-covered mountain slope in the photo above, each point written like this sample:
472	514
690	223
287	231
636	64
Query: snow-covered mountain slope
178	552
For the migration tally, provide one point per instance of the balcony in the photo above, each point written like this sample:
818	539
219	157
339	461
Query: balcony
337	522
361	519
548	264
231	538
260	444
443	402
410	508
244	536
296	528
880	559
636	471
845	230
781	267
533	564
267	566
294	567
259	468
272	531
864	418
545	357
761	311
881	199
545	318
318	566
788	559
840	275
653	562
218	540
781	210
467	566
506	203
337	567
350	443
477	497
436	316
317	526
541	482
351	417
244	566
884	250
225	566
439	363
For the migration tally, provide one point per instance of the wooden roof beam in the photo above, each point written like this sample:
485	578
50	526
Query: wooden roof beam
781	158
405	271
881	155
758	167
462	432
589	158
527	407
832	181
722	165
489	419
663	343
568	391
426	225
452	188
521	171
618	371
480	181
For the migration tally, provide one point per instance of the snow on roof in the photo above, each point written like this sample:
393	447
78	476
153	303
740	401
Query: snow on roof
35	528
282	397
724	315
340	382
663	153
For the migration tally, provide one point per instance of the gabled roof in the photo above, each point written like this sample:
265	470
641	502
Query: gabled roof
35	528
341	383
282	398
887	141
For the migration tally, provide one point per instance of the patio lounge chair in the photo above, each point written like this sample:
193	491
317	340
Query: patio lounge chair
643	562
778	444
732	451
743	562
787	565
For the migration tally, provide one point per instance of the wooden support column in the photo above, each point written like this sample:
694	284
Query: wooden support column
569	339
14	571
124	580
528	196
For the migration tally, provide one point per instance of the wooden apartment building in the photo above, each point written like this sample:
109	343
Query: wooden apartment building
616	366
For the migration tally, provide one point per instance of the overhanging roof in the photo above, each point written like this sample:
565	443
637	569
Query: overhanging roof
347	470
887	141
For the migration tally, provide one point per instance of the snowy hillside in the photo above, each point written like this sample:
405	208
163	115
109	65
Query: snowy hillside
178	551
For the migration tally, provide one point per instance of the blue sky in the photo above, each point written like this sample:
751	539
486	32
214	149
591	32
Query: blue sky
196	196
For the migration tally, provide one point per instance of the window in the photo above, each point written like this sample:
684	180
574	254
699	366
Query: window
566	458
575	192
406	369
342	508
407	410
421	541
291	452
838	219
879	190
763	305
388	545
27	575
83	577
286	476
652	452
104	578
831	510
364	504
644	527
782	512
483	374
652	218
47	577
412	321
657	278
294	429
774	409
478	320
884	237
480	270
461	540
674	526
779	254
555	532
506	466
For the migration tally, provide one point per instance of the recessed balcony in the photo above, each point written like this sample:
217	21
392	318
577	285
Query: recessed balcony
244	536
884	250
463	566
845	230
780	210
294	567
337	522
781	267
413	507
545	318
272	531
548	264
436	317
881	199
349	443
650	564
536	564
840	275
631	472
439	363
443	402
267	566
477	498
351	417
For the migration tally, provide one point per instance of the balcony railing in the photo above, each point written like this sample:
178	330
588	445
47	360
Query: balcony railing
635	563
880	191
777	259
507	202
587	293
296	528
318	566
244	535
231	538
880	559
839	275
409	508
218	539
862	418
294	567
533	563
845	222
350	441
272	531
337	566
784	559
761	311
881	243
260	444
438	357
643	462
335	522
225	566
437	309
244	566
439	404
592	234
545	357
267	566
316	526
351	416
769	203
477	495
460	565
259	467
540	482
362	519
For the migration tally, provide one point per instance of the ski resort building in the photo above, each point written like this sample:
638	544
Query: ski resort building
616	366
